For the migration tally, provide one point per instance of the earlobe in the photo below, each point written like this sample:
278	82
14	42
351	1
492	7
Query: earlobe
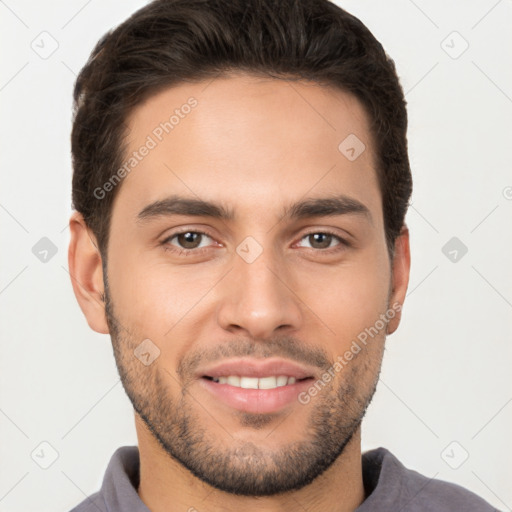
401	266
86	273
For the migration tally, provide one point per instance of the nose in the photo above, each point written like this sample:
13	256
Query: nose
257	298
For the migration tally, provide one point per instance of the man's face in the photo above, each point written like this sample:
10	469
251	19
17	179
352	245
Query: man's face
276	295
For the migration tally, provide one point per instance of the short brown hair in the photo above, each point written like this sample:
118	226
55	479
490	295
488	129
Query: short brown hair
168	42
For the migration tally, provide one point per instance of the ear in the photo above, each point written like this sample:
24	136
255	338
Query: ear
85	269
400	266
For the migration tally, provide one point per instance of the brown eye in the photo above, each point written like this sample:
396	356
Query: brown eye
189	240
322	240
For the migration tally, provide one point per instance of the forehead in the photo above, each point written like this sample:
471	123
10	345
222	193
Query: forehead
250	142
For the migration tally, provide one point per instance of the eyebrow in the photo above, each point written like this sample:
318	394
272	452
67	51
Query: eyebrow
312	207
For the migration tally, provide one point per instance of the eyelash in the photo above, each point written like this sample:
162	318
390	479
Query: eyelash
186	252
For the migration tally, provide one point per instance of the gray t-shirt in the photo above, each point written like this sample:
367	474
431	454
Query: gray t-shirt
389	485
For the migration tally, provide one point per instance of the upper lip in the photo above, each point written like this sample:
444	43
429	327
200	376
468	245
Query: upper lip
257	368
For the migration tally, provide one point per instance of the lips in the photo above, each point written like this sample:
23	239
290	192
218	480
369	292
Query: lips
256	386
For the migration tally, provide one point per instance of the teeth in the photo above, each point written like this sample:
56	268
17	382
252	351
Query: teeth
282	380
249	382
255	382
233	380
267	383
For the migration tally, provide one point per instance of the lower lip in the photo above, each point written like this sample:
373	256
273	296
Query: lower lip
256	400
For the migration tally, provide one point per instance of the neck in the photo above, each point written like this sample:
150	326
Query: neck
166	486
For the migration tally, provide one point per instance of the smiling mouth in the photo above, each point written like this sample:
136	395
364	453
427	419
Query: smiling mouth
263	394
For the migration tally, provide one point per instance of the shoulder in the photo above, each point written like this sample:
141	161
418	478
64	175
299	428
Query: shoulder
413	491
93	503
119	488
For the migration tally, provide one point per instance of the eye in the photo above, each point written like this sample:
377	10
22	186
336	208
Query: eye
323	240
187	241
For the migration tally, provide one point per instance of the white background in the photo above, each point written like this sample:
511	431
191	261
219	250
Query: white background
446	374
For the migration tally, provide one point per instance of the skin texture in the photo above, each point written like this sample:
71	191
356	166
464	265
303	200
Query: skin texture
255	146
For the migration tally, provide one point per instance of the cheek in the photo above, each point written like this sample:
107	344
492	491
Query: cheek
153	297
348	298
